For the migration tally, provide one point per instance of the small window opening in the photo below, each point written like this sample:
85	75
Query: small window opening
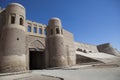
35	30
21	21
40	31
29	28
12	19
57	31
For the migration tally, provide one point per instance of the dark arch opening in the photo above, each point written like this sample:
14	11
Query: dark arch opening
21	21
57	31
36	59
13	19
36	55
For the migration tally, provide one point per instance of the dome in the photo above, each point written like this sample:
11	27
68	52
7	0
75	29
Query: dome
55	21
55	18
17	4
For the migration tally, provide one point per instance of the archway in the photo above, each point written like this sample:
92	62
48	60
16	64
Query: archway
36	55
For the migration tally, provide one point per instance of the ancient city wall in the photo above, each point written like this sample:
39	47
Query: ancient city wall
40	28
86	48
32	36
107	48
69	47
34	40
12	39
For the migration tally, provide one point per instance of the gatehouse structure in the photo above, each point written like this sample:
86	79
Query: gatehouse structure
28	45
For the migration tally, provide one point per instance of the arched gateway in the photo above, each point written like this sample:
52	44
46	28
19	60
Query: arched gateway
36	55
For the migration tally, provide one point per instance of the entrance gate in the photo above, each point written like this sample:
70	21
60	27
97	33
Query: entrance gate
36	59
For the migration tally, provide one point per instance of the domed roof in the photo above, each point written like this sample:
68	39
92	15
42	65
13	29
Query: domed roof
54	21
55	18
17	4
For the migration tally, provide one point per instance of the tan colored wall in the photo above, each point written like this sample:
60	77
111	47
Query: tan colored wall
57	57
13	44
33	42
55	43
38	25
69	47
108	48
2	21
32	37
87	47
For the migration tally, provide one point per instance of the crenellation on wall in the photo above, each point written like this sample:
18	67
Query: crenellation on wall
38	26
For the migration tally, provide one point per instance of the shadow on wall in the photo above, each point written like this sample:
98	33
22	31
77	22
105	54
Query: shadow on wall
84	51
107	48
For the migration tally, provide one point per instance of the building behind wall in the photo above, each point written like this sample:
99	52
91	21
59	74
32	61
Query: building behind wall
28	45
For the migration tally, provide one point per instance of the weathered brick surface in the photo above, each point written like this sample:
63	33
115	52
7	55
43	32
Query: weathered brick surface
55	44
87	47
59	48
13	40
57	56
69	47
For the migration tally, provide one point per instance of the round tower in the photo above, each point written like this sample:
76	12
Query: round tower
13	39
55	44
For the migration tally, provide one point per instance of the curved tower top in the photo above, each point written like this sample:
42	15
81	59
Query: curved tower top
16	4
57	55
56	22
54	27
14	39
16	15
16	7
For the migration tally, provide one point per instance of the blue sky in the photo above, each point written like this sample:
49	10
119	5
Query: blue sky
91	21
